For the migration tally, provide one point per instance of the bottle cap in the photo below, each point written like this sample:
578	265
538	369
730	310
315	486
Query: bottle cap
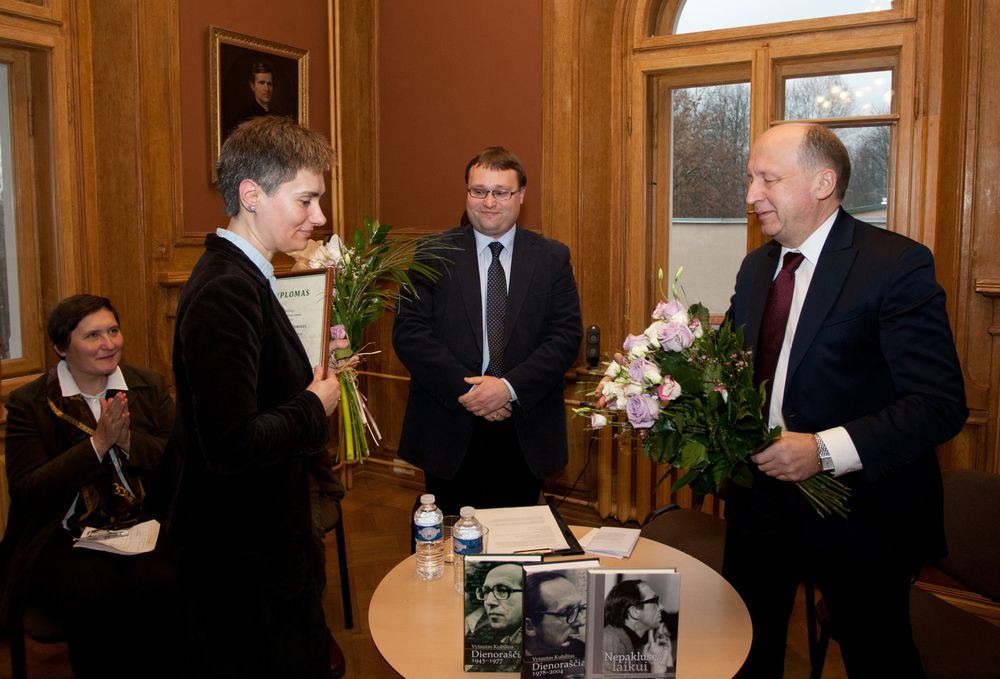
467	512
427	499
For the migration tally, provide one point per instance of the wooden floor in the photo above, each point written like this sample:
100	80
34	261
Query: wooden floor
377	514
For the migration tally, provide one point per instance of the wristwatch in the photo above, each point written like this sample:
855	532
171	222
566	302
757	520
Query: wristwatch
823	454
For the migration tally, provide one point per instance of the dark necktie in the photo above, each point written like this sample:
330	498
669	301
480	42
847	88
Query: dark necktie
772	328
496	310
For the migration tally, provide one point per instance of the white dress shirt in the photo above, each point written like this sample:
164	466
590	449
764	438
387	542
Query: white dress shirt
842	449
68	387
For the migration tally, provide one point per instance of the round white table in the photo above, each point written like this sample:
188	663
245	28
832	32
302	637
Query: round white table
417	624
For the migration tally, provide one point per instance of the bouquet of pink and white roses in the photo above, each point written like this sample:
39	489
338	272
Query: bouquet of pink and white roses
687	391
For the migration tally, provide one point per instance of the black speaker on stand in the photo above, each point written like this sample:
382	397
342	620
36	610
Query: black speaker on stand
593	339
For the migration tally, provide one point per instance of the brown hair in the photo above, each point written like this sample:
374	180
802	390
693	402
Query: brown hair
68	313
498	158
822	148
270	150
259	67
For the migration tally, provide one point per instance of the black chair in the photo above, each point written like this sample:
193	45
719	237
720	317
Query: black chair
332	519
951	641
701	535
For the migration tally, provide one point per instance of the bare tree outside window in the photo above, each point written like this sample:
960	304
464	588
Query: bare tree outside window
852	95
710	147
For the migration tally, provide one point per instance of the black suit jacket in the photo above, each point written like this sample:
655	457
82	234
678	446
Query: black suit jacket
49	460
439	338
873	353
246	426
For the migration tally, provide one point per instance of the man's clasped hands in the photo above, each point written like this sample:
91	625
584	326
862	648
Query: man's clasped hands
488	397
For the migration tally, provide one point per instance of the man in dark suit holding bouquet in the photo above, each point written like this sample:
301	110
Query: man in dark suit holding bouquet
849	325
487	345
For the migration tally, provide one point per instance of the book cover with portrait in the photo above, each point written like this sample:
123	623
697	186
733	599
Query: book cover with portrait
493	613
632	630
555	619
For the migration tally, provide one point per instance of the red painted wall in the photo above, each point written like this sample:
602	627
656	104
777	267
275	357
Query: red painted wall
454	77
298	23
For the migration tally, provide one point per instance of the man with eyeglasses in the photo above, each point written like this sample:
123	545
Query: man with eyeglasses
499	621
632	615
487	345
554	623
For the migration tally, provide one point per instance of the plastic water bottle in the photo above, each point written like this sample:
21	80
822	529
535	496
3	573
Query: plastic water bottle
429	541
467	538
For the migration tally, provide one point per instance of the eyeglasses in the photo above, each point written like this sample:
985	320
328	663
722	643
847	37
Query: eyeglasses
570	615
651	600
501	592
500	194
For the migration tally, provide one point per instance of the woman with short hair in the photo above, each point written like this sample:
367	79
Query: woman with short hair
252	420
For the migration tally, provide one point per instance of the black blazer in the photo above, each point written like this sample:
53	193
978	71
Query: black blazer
50	460
246	425
439	338
873	353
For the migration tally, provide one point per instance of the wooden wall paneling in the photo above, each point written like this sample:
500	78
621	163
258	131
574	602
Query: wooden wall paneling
160	161
576	204
120	246
560	201
359	111
333	40
134	114
51	12
982	218
57	270
951	43
561	127
356	122
66	245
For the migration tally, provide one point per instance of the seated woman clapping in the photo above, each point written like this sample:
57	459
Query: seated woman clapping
85	442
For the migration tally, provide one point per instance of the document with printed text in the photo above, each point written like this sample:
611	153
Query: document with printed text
522	529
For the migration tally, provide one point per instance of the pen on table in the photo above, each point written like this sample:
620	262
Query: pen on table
544	550
103	535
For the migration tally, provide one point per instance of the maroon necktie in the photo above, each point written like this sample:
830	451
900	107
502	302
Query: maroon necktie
772	327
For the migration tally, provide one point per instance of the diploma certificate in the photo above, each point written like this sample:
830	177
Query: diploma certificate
305	296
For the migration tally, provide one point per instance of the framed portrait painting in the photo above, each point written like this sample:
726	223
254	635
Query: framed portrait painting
253	77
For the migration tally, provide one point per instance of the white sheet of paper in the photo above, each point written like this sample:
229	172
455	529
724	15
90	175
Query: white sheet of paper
616	542
520	529
141	538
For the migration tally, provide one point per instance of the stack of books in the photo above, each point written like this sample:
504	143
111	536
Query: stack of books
569	619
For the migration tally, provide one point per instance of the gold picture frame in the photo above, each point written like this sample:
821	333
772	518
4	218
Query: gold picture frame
235	61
